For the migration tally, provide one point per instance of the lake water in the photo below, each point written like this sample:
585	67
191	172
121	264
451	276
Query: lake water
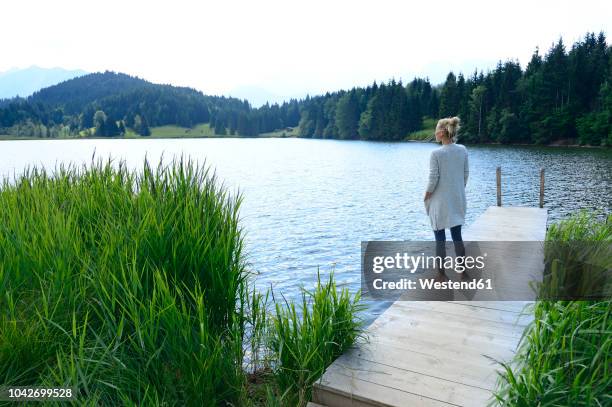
309	203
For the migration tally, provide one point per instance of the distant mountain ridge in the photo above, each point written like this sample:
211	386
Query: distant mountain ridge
75	94
122	96
24	82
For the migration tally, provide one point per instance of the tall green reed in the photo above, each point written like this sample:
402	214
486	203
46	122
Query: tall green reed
126	285
305	340
564	354
578	259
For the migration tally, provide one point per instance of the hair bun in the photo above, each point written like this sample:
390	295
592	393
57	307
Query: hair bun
450	125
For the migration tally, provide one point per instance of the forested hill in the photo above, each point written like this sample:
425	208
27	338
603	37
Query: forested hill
75	94
123	100
109	102
565	94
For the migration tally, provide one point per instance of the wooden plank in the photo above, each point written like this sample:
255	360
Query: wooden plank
515	307
443	345
404	318
509	224
446	310
417	383
340	389
456	339
475	370
459	309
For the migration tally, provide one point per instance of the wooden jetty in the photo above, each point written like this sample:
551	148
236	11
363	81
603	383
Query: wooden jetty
437	353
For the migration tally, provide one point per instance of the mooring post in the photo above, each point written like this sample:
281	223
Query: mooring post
498	176
541	187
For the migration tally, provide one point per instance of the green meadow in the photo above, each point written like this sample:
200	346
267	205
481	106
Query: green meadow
288	132
174	131
170	131
426	133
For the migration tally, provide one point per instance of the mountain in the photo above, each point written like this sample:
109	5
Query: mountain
110	100
75	94
122	96
24	82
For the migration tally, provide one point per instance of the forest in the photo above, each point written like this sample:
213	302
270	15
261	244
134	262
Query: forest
562	95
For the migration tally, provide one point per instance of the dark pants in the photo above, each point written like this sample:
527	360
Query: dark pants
457	241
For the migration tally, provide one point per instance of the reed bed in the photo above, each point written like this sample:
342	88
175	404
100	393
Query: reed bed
564	355
130	286
126	286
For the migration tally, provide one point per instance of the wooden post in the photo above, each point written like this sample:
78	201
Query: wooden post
541	187
498	176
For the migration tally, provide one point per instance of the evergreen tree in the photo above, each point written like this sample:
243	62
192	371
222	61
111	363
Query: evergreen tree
99	121
87	117
347	116
111	128
449	97
595	128
220	127
144	127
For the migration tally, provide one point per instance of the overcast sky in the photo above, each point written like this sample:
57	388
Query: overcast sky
287	47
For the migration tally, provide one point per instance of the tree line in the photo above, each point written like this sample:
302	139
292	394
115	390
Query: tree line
563	94
378	112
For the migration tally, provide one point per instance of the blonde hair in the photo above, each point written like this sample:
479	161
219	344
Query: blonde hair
450	126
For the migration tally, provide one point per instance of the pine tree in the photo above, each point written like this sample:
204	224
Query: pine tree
144	128
220	127
111	128
449	102
347	116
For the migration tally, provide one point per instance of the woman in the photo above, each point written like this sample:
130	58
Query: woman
445	200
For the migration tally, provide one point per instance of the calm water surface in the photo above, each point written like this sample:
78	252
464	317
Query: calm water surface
309	203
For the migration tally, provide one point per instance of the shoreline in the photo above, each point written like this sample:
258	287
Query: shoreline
557	144
493	143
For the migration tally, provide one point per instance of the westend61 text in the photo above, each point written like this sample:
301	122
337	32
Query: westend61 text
432	284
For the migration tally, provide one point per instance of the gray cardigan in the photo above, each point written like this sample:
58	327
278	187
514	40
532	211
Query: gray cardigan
448	175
